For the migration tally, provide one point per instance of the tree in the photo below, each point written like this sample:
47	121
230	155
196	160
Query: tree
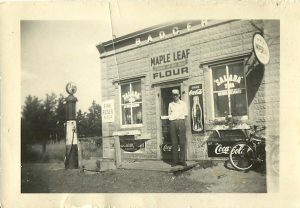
90	124
47	123
82	124
60	118
43	120
31	116
94	119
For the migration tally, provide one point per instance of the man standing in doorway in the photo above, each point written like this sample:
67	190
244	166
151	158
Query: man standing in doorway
177	115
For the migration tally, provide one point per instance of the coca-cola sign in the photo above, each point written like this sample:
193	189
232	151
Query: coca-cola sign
195	92
196	106
220	148
167	147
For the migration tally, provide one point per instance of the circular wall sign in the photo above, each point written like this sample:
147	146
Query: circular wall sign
261	49
71	88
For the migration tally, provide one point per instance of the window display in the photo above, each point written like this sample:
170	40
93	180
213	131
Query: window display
131	103
229	90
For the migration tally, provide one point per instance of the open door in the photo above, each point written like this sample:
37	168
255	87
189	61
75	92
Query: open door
166	98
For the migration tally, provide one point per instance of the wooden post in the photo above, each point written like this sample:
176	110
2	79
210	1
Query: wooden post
79	155
117	151
158	123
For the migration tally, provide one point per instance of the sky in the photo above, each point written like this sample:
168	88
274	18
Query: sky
54	53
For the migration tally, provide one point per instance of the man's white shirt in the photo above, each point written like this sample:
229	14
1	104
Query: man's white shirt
177	110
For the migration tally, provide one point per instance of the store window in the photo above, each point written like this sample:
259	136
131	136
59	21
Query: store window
131	103
229	91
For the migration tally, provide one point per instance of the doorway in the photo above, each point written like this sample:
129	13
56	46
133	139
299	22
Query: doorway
166	98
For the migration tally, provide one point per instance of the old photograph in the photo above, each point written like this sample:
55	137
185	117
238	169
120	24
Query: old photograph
184	107
148	104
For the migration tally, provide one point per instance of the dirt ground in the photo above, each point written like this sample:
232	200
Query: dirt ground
53	178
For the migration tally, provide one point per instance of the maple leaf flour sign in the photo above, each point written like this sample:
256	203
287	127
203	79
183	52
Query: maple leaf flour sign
170	66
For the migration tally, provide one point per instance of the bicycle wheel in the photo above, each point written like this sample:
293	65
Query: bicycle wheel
241	156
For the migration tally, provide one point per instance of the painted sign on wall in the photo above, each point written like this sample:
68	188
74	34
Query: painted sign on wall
108	112
196	108
168	32
169	66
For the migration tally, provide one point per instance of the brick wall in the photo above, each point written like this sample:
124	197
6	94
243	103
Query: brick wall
272	79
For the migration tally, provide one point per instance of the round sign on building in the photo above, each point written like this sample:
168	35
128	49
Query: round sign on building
261	49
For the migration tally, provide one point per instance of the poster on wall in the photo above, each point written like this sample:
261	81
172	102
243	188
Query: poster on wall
196	108
108	111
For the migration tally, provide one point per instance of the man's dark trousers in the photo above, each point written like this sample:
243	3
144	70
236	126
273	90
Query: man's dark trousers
178	131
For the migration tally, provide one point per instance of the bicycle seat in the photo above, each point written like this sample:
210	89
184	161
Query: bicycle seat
259	138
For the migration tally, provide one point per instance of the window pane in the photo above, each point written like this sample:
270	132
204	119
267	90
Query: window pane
219	77
131	94
221	105
126	114
236	75
137	113
136	91
125	93
238	104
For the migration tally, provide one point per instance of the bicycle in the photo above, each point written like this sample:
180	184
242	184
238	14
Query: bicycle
244	154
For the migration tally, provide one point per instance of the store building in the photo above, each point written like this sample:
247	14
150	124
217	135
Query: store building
220	78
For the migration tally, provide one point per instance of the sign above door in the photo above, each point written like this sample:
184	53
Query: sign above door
169	66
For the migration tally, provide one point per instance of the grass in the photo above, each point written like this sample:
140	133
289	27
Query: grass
56	152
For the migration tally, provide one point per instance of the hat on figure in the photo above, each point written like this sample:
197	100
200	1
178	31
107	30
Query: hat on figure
175	92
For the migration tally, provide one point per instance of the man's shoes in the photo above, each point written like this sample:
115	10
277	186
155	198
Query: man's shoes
180	163
183	164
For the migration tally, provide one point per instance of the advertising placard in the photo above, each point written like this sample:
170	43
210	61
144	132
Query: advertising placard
108	111
133	145
261	49
219	149
196	108
169	66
